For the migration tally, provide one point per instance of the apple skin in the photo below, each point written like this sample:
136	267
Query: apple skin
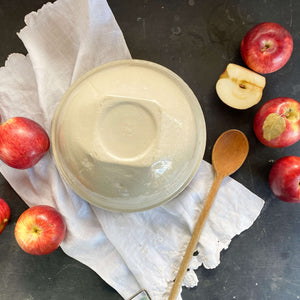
23	142
4	214
266	47
286	118
284	179
40	230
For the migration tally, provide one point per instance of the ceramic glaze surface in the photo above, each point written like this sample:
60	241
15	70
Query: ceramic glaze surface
128	135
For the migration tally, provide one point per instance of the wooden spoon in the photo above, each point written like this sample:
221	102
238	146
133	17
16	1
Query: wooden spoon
229	153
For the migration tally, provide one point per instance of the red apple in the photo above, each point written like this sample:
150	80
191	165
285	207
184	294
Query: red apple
277	122
23	142
40	230
266	47
284	179
4	214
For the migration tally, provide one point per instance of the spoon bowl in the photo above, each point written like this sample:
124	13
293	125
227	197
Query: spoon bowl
229	153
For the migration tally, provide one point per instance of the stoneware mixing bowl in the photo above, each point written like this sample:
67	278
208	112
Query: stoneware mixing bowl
128	136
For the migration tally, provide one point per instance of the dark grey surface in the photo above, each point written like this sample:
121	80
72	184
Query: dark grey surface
195	39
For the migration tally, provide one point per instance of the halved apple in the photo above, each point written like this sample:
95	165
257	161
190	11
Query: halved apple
239	87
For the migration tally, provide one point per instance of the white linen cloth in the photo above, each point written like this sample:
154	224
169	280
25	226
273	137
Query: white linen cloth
129	251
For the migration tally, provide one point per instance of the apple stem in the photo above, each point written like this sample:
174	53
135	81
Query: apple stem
36	230
266	47
291	114
242	86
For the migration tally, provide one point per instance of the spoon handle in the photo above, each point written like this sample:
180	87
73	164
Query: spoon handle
195	237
